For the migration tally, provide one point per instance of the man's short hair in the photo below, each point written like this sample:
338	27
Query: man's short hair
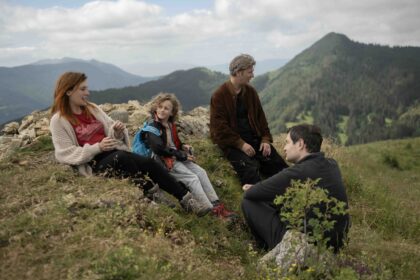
310	134
240	63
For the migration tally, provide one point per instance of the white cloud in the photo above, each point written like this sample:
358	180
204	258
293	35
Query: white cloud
126	31
94	15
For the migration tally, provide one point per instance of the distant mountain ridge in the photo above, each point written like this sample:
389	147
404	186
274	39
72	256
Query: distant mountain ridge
192	87
156	69
30	87
57	61
165	68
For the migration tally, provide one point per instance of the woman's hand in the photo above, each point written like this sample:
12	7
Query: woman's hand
119	128
108	144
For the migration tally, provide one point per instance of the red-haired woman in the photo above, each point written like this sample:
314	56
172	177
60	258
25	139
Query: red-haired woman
87	138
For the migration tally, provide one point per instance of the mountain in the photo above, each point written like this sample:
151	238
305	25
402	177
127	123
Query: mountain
356	92
30	87
192	87
156	69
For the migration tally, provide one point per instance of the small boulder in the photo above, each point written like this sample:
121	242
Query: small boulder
11	128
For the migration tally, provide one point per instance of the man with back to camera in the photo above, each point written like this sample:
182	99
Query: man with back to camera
239	127
303	144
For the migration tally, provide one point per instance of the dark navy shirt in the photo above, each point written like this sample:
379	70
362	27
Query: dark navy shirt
244	128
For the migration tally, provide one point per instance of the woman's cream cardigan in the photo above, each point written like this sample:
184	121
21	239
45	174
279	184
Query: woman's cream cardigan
67	149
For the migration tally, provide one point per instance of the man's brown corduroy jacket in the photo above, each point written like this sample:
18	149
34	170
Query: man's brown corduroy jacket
223	124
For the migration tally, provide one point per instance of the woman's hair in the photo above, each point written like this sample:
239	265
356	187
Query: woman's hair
162	97
67	82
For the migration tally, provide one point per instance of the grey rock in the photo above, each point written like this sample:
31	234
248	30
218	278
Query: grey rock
11	128
292	250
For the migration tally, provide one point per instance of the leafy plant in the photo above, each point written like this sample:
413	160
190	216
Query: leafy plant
309	209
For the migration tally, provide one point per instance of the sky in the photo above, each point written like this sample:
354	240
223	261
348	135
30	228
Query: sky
194	32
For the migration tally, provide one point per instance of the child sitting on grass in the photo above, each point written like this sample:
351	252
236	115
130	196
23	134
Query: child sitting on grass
178	157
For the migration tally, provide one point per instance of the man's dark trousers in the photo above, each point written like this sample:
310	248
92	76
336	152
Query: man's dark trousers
250	169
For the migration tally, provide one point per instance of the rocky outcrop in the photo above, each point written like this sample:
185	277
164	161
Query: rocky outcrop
133	114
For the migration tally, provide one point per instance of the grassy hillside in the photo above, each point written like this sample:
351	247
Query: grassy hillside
56	225
384	185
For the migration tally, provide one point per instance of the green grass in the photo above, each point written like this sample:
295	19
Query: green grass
57	225
305	117
384	188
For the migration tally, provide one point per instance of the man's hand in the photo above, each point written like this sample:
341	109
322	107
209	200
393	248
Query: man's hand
248	150
246	187
266	149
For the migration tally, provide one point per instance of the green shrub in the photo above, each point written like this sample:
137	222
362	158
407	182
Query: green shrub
304	206
391	161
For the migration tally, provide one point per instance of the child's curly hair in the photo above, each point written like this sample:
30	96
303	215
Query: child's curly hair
161	97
